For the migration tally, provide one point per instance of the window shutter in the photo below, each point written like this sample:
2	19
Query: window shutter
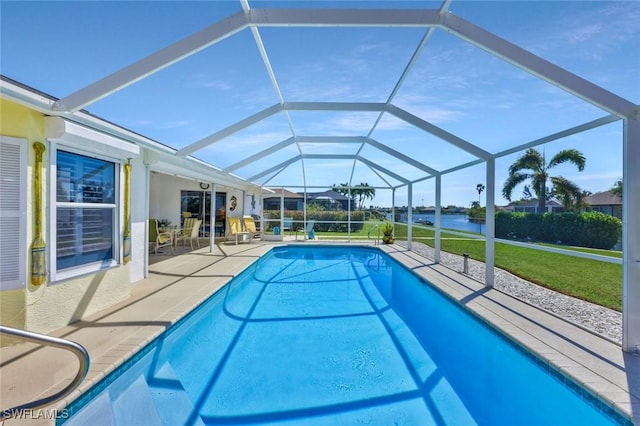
13	253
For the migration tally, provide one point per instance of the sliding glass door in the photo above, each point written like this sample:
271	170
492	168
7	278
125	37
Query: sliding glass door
198	205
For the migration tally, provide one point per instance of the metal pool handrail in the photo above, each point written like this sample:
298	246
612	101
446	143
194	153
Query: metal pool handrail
377	239
77	349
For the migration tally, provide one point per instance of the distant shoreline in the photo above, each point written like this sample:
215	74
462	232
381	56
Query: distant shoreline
477	219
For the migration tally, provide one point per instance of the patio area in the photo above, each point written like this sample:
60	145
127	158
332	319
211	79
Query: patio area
178	283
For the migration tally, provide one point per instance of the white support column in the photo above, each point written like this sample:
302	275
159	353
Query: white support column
261	213
631	235
147	191
282	212
437	221
244	205
393	209
349	214
490	224
212	220
409	216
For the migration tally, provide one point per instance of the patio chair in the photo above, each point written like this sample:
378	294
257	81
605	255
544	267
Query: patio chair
158	239
308	230
235	231
250	226
187	224
193	233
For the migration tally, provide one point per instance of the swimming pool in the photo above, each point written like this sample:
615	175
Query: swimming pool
333	335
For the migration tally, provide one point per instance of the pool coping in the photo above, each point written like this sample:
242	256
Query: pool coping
181	283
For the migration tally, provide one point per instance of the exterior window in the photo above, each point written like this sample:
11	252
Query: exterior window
85	210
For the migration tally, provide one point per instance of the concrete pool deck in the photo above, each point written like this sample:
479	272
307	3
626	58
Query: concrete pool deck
178	283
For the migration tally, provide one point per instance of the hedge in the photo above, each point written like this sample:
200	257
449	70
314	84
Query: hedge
321	217
589	229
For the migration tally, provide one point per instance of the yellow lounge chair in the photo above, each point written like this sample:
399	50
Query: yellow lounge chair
235	231
250	226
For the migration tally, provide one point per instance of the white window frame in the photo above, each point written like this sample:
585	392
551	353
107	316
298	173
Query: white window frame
59	275
21	213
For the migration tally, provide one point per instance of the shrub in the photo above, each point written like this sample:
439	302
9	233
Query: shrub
590	229
387	231
601	228
326	221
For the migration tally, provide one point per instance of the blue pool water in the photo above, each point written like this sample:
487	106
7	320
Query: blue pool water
333	336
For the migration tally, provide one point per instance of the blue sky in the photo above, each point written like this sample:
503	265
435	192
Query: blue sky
61	47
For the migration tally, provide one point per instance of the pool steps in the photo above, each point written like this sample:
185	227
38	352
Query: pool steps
159	400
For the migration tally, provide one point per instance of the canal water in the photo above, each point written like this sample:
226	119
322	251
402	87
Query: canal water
458	222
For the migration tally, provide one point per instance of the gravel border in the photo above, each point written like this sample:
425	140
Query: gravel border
598	319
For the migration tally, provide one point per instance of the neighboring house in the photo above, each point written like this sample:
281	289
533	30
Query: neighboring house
454	210
606	202
292	200
331	200
531	206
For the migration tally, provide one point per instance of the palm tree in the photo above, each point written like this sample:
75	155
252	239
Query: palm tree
360	193
479	188
582	204
617	188
365	192
343	188
532	166
570	196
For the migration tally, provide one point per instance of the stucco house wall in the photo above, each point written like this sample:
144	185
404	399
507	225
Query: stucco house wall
45	307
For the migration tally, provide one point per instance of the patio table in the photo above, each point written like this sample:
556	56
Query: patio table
174	231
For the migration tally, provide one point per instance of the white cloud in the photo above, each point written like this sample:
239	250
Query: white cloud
217	85
247	144
430	109
389	122
592	33
585	33
436	115
203	80
137	123
611	176
352	123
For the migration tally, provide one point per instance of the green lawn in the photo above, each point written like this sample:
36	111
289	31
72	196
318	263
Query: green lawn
363	233
591	280
610	253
